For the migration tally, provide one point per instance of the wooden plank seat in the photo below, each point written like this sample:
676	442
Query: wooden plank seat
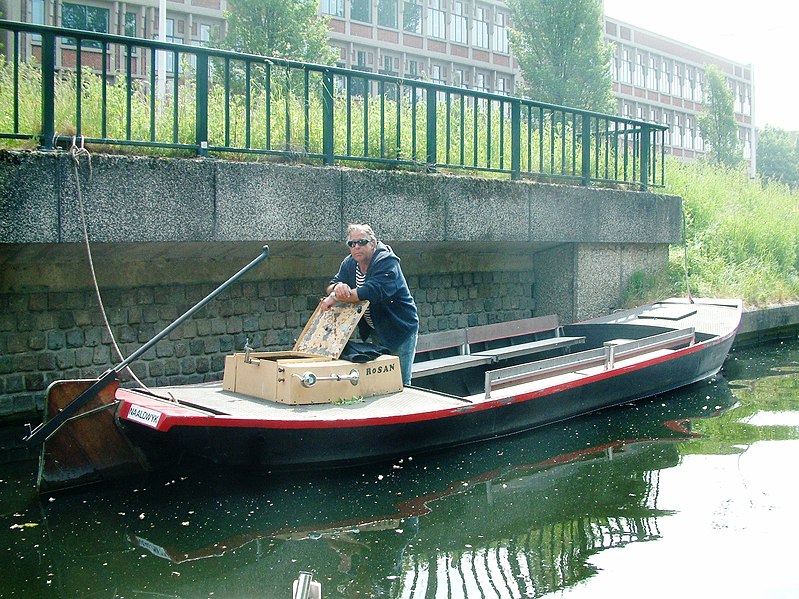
454	340
460	344
549	324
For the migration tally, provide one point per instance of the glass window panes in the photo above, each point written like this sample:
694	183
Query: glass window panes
480	27
500	33
436	19
412	16
360	10
88	18
387	13
334	8
130	24
459	23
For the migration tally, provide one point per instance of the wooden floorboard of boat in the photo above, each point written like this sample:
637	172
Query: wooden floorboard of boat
709	318
210	395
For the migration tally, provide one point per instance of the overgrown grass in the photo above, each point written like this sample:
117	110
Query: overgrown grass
280	119
741	238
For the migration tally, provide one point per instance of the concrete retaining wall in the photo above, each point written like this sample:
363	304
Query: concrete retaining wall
165	232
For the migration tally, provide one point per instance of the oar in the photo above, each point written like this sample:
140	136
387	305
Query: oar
46	429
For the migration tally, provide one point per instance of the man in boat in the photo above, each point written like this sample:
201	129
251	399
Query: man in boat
372	272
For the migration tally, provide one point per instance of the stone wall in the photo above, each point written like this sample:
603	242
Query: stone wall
46	336
165	232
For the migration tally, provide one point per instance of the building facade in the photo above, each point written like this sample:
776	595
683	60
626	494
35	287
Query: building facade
660	80
463	43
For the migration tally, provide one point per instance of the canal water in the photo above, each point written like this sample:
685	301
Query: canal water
691	494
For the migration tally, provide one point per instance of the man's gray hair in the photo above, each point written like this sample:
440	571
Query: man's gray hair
362	227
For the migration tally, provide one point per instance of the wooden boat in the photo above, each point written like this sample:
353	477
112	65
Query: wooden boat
469	385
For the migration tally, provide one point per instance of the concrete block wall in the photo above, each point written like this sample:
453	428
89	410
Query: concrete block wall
47	336
166	232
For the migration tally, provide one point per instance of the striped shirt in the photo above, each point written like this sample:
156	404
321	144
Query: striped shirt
360	279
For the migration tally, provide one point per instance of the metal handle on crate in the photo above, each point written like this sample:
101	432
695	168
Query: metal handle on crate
309	379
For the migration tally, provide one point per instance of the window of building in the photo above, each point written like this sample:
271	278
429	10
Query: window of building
480	27
170	37
667	132
361	10
204	39
88	18
37	12
689	133
459	78
436	19
500	33
439	74
37	17
333	8
665	77
626	67
614	68
482	82
388	65
676	81
387	11
459	23
130	24
688	84
747	143
638	73
738	97
413	69
502	85
652	75
677	131
412	16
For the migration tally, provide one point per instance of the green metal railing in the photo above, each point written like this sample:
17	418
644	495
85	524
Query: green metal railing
56	84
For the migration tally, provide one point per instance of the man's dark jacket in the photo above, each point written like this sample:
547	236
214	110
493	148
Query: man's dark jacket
391	305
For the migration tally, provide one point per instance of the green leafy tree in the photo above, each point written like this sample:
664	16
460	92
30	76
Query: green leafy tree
717	120
288	29
778	156
562	53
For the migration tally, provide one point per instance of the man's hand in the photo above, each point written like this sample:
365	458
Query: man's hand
328	302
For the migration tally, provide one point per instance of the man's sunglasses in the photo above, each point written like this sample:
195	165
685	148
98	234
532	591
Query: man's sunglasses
361	242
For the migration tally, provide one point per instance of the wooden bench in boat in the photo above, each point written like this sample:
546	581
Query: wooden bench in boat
463	340
445	340
603	356
517	328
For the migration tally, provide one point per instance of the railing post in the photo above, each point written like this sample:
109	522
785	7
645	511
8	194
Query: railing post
585	140
202	104
48	90
515	140
646	134
327	117
432	142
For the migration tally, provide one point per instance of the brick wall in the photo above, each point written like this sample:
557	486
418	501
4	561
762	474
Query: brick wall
47	336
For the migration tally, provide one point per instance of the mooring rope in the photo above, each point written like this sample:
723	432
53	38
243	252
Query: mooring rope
685	256
76	153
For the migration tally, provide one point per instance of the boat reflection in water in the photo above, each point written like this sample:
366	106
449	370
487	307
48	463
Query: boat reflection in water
519	516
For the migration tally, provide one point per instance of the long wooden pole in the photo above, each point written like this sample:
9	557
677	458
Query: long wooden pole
46	429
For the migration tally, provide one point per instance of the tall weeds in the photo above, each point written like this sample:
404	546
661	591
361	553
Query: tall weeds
742	236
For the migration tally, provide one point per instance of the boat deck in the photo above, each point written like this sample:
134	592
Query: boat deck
212	397
711	317
680	316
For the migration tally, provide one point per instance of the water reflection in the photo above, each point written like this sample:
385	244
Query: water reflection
523	516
